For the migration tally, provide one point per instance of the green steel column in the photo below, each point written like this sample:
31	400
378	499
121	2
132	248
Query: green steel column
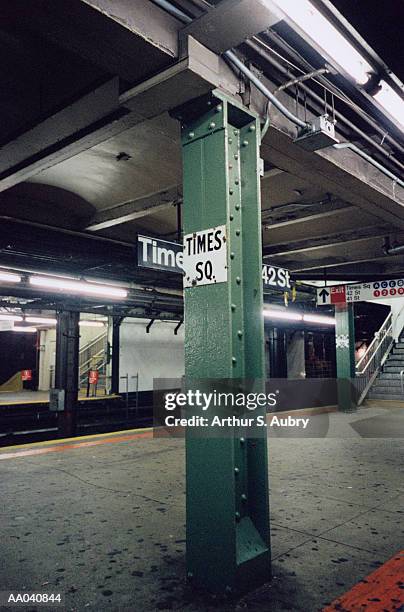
228	544
345	351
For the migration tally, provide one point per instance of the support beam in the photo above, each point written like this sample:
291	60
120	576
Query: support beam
115	357
230	23
33	149
331	262
135	209
345	351
310	217
277	358
280	230
200	72
67	369
228	546
111	34
347	240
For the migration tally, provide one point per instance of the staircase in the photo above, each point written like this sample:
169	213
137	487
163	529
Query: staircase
93	356
388	385
372	363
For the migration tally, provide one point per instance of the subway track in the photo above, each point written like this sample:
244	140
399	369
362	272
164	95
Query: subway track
34	422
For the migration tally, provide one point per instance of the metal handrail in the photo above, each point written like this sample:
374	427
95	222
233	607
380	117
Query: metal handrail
401	380
378	338
375	357
95	356
102	336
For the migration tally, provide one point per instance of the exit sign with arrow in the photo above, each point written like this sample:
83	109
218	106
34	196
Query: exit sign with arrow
331	295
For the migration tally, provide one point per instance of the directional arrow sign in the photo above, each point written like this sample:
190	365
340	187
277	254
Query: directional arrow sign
331	295
323	297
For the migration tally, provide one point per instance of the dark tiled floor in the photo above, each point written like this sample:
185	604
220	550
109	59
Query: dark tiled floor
104	525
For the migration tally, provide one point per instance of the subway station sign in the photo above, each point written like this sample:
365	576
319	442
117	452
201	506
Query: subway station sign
378	290
205	257
157	254
206	261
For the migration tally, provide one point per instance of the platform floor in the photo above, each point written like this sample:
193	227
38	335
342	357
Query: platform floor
102	521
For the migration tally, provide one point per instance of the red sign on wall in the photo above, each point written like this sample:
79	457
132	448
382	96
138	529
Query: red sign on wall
93	377
338	295
26	375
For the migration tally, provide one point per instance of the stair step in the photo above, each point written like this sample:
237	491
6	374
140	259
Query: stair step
395	362
386	396
399	344
389	376
387	384
392	368
383	388
397	351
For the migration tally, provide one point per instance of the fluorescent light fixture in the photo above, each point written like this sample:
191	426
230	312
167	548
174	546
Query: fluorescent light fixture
391	101
323	33
296	316
72	286
91	324
322	320
27	330
7	277
10	317
284	315
40	320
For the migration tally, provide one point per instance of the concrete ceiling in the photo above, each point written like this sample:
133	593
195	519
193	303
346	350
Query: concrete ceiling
323	209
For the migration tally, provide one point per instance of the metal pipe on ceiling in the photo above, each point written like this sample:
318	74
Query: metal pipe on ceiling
389	250
235	61
302	78
173	10
267	57
232	57
278	40
371	160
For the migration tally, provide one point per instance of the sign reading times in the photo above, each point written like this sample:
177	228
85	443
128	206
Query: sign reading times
205	257
169	256
361	292
159	254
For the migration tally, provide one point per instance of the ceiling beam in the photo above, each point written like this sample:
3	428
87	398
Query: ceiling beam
61	129
328	241
112	35
130	211
331	263
230	23
67	133
308	217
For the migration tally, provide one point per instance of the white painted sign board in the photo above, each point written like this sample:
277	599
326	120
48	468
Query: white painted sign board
205	257
361	292
378	290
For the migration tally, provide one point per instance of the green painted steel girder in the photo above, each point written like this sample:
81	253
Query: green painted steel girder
228	539
345	352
